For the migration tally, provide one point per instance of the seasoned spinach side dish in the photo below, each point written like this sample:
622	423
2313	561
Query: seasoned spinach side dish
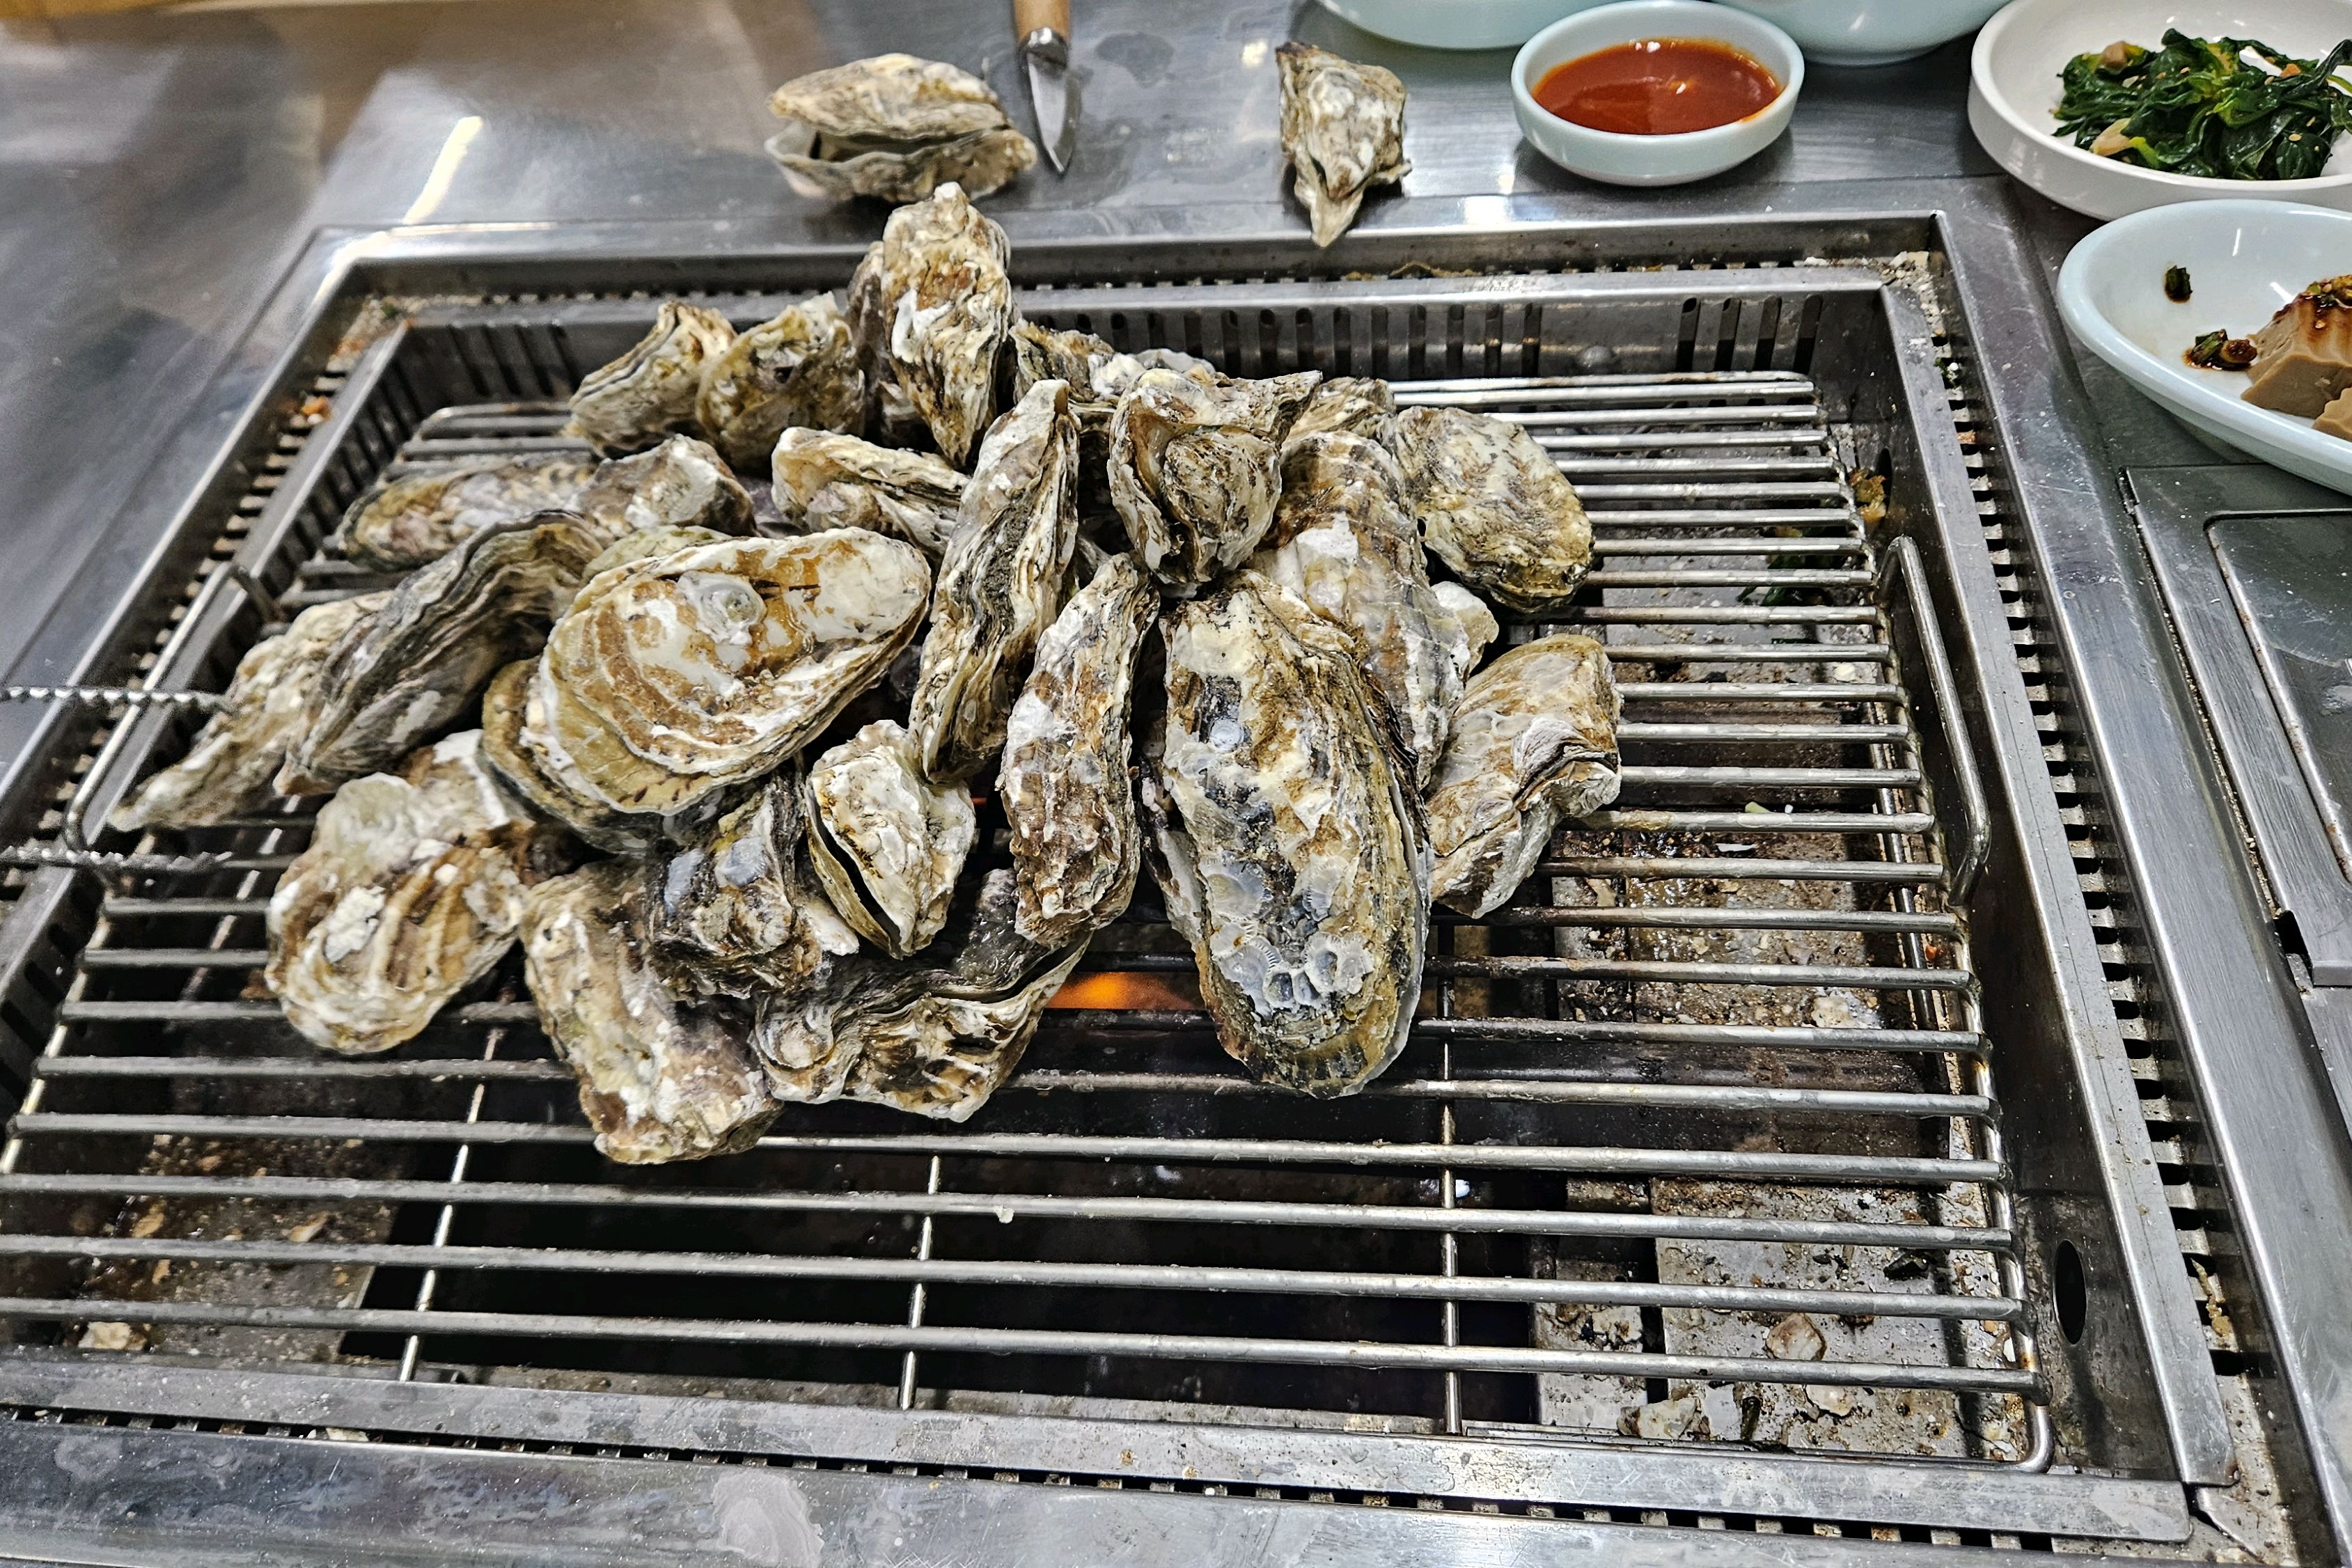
2226	109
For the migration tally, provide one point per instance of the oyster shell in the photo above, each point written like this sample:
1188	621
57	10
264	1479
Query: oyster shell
681	483
1067	796
659	1079
650	392
1494	507
930	307
886	844
403	522
228	768
1099	375
1290	846
506	706
1468	626
674	679
738	911
825	480
412	889
1534	740
1195	467
1000	585
1342	130
648	543
407	672
1349	404
798	368
895	128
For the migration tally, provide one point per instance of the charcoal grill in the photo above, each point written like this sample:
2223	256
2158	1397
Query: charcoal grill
1773	1160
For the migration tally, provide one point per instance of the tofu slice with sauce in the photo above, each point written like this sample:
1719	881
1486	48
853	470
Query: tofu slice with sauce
2303	359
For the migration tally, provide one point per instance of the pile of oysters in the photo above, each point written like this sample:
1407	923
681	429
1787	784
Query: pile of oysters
733	788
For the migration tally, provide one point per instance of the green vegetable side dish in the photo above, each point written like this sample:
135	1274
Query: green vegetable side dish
2202	106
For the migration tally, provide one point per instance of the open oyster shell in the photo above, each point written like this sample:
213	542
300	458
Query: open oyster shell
403	522
1195	467
895	128
1068	797
739	912
650	392
1342	130
411	670
227	769
1494	507
411	889
681	483
798	368
1000	585
660	1078
886	844
1535	740
1290	845
929	307
827	481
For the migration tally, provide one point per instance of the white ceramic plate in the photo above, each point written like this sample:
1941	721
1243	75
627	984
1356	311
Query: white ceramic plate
2013	89
2245	259
1458	24
1871	32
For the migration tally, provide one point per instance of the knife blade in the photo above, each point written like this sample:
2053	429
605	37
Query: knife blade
1043	28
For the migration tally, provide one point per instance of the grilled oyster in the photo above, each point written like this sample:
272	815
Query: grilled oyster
1534	740
227	769
411	891
795	369
1000	585
1493	507
659	1079
1345	544
886	844
406	673
403	522
649	392
929	309
1467	625
682	483
1194	468
1289	844
1350	405
1065	783
673	681
825	480
895	128
1342	130
738	911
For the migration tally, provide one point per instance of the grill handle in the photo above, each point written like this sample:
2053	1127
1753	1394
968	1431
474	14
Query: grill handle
1965	853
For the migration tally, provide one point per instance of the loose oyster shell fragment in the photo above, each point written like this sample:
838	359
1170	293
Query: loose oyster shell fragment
1343	131
1000	585
827	481
739	912
405	521
412	889
1534	740
886	844
895	128
681	483
1494	507
797	368
660	1079
650	392
1195	467
1289	844
1065	783
929	307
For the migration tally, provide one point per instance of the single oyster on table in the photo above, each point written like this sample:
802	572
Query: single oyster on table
798	368
412	890
1068	799
738	911
930	307
1535	740
403	522
411	670
1288	841
895	128
681	483
1342	130
659	1079
650	392
267	712
1494	507
1000	585
827	481
1195	467
886	844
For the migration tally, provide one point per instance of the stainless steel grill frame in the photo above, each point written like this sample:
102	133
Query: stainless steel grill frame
1871	352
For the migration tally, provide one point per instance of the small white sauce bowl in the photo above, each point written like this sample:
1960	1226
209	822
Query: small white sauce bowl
1617	159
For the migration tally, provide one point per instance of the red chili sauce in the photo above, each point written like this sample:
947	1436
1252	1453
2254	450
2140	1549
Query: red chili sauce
1658	86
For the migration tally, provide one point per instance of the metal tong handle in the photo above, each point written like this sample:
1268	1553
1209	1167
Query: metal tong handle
1975	839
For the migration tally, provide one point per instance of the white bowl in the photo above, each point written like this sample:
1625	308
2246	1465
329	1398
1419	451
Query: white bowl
2245	259
1871	32
1617	159
1456	24
2014	90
